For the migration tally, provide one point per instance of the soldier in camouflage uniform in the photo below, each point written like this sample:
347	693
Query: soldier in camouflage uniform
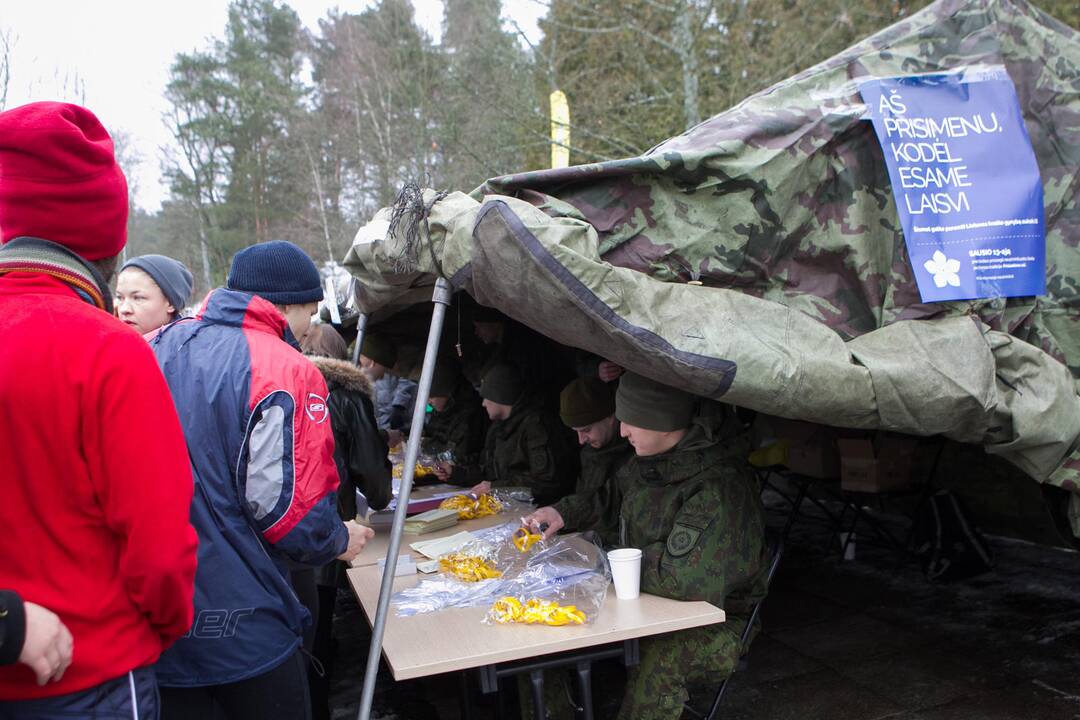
457	423
525	446
587	406
692	506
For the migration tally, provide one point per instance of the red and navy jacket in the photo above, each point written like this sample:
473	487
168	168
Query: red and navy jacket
258	430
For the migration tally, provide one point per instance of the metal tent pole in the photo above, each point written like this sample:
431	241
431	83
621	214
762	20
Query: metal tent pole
441	299
361	330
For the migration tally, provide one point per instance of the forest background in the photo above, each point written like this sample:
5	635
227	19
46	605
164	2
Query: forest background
286	131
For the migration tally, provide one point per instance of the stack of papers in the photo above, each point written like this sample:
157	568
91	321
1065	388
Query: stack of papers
438	547
431	521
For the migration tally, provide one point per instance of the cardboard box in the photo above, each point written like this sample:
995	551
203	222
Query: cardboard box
811	448
878	464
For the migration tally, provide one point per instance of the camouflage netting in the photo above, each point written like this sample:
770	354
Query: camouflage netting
782	208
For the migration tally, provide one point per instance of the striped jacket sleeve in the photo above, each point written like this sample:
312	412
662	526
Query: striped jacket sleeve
287	475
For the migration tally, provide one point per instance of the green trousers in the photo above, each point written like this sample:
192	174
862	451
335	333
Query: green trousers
656	688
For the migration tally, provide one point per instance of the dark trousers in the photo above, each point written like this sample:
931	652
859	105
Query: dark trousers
132	696
323	654
279	693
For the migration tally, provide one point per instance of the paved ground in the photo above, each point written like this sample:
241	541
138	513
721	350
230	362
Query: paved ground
853	640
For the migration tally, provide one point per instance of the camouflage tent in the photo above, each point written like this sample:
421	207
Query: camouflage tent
758	257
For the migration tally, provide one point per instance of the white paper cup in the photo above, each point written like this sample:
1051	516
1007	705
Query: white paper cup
626	572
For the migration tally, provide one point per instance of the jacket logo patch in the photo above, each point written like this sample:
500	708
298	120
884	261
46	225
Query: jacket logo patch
316	408
538	460
682	540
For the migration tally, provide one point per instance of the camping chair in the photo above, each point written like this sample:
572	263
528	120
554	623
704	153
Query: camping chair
777	543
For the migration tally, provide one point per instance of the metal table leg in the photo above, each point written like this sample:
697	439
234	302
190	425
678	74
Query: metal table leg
536	680
584	674
464	704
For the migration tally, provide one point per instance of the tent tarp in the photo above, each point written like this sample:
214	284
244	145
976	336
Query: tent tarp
782	209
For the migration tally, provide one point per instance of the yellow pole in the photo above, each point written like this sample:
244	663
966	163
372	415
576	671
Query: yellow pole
560	130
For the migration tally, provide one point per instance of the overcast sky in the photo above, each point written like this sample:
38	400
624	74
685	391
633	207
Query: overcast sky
119	52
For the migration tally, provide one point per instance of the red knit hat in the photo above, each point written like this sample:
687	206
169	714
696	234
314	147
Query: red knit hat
59	180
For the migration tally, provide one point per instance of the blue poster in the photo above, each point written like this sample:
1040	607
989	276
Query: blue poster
965	181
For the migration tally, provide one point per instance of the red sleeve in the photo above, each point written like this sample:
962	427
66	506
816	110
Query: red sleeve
288	476
142	475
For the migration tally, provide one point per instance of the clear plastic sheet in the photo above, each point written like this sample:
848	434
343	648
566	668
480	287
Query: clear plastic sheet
568	569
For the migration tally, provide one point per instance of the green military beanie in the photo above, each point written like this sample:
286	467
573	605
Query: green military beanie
647	404
585	401
502	384
444	380
379	349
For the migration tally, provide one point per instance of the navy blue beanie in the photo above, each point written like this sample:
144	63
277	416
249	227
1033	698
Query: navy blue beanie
172	276
277	271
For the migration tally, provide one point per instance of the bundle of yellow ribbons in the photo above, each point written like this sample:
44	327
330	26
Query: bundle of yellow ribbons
469	508
523	539
535	612
470	568
421	471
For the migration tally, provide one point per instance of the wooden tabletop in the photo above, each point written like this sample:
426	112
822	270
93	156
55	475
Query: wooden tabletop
456	639
376	547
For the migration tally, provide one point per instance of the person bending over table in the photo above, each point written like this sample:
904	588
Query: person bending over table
691	504
525	445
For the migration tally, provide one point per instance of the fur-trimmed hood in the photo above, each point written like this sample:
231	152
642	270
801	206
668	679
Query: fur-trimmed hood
343	373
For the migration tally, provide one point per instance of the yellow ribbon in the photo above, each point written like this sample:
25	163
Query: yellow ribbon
469	568
523	539
469	508
419	472
536	612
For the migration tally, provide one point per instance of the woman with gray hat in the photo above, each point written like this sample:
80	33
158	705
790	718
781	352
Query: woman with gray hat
151	291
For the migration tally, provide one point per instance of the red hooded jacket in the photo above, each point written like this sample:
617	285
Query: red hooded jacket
95	485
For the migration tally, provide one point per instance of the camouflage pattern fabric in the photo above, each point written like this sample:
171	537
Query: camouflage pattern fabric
696	513
781	208
530	449
595	483
656	687
460	429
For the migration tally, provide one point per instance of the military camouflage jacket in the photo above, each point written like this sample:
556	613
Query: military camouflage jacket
460	428
531	449
594	487
696	514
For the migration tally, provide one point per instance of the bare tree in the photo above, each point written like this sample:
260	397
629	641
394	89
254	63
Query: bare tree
7	43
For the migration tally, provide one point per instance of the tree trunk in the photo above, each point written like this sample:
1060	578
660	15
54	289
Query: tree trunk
684	40
204	248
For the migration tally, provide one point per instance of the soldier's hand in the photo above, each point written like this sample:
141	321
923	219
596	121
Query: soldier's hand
443	470
608	370
358	537
482	488
548	515
48	644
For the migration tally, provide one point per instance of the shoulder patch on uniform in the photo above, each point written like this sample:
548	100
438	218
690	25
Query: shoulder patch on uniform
682	539
538	459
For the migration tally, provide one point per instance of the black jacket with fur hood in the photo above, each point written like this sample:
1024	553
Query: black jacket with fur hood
360	452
